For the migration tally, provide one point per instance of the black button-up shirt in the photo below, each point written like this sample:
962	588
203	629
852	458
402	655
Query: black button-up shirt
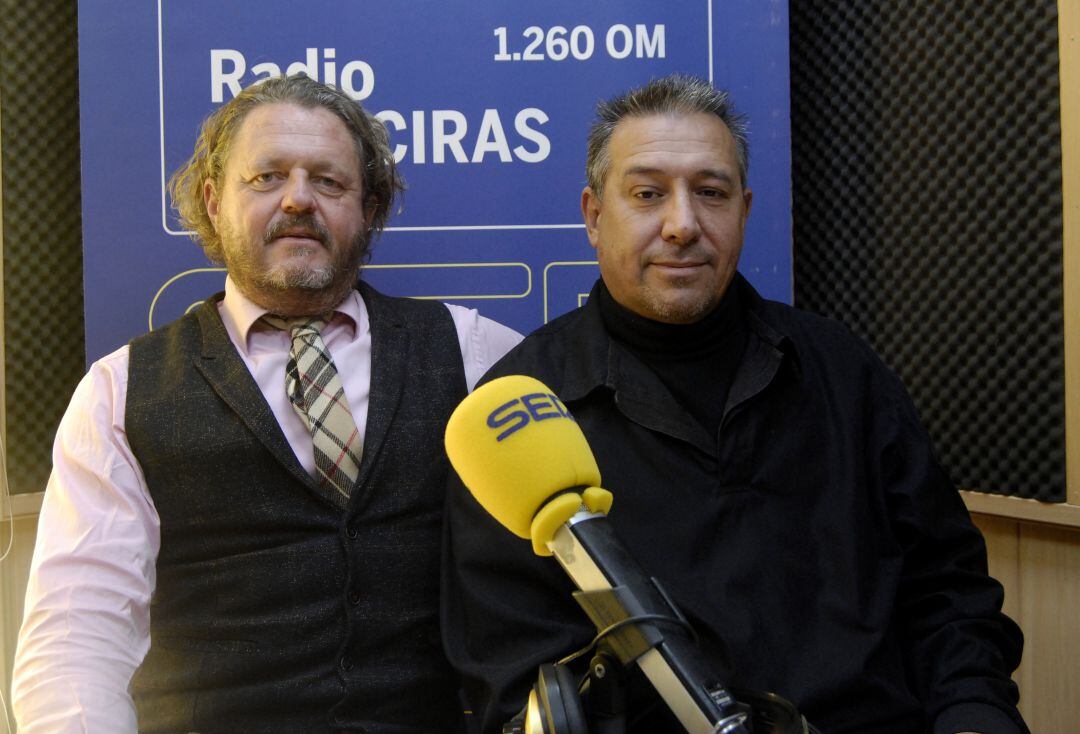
814	542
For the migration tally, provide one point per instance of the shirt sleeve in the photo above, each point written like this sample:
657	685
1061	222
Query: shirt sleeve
962	648
86	618
483	341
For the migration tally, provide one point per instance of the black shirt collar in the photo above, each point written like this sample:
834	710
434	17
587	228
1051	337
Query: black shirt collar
670	342
596	351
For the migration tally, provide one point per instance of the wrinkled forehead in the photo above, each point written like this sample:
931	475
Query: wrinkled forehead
285	131
675	142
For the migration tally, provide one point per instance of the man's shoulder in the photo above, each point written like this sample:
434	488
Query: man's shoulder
827	352
543	354
374	298
187	327
810	332
401	310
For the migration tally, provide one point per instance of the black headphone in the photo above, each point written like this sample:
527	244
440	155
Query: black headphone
554	705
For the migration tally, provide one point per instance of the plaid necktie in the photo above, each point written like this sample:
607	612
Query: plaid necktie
314	389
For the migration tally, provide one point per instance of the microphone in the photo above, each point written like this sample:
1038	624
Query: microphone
527	463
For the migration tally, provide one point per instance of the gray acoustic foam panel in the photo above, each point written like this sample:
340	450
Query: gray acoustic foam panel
43	304
927	211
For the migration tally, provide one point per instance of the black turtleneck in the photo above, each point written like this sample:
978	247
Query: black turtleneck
696	362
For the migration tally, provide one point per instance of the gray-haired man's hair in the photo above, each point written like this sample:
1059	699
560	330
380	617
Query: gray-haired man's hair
675	94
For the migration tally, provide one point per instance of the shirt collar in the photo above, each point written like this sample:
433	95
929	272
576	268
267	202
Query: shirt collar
241	314
596	353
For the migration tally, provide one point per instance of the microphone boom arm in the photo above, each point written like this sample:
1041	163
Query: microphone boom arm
672	663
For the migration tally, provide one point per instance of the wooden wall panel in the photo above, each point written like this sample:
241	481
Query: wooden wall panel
1003	554
1039	566
14	571
1050	567
1069	86
1002	547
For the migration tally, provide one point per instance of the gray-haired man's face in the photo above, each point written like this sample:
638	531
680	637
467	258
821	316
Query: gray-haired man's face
669	230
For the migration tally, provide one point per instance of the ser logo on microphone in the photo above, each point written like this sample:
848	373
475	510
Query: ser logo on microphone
519	412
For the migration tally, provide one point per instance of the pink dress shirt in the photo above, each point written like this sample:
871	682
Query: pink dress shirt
86	623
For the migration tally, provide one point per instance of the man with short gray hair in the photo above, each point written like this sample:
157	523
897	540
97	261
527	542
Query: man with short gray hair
767	469
241	530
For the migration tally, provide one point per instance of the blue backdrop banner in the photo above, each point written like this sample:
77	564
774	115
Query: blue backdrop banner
488	106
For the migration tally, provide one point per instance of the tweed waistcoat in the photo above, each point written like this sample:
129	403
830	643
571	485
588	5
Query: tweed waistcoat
275	610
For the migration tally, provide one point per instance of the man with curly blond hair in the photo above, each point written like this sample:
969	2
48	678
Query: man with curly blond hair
242	525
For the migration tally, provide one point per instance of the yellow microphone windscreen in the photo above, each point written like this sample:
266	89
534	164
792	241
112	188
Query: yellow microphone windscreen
514	445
